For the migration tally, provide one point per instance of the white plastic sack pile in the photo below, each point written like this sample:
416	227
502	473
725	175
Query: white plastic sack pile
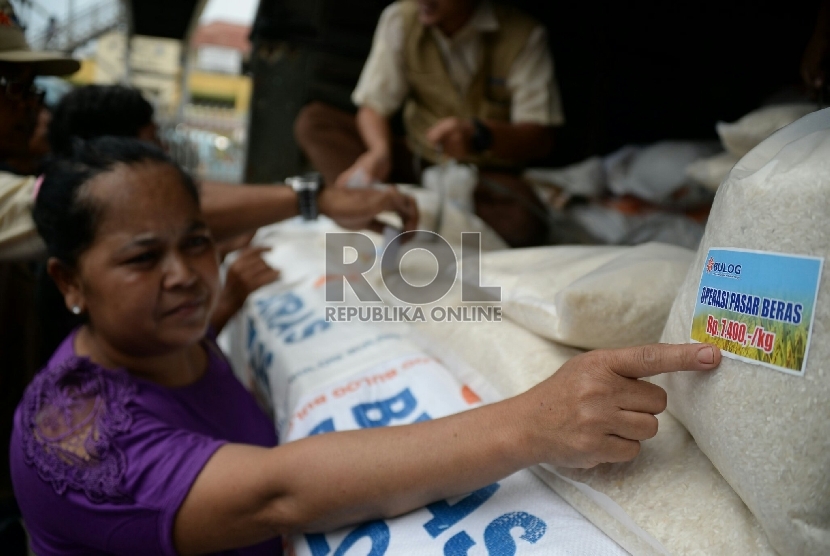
517	514
767	431
447	218
654	173
454	182
589	297
330	376
710	172
583	179
297	241
740	137
607	225
293	309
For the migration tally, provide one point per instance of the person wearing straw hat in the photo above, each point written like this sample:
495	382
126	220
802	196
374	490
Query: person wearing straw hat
20	104
230	210
20	107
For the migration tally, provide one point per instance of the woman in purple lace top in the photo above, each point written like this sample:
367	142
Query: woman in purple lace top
137	439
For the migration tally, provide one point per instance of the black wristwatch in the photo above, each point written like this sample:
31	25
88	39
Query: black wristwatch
307	188
482	136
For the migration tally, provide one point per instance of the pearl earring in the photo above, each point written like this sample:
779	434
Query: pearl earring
76	310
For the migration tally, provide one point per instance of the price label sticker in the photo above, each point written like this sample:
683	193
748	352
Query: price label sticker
758	306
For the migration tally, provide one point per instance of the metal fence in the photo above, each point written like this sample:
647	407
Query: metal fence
80	28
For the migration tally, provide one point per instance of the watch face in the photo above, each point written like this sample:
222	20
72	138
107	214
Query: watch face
310	181
315	177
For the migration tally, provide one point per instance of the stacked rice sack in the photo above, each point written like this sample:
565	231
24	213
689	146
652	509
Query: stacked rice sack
754	475
589	297
740	137
671	499
767	427
741	462
320	376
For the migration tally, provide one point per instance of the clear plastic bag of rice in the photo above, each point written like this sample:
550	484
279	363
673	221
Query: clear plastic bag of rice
756	289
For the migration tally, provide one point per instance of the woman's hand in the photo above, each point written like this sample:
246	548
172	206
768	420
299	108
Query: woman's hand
596	410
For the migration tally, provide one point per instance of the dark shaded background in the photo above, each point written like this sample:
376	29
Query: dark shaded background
629	72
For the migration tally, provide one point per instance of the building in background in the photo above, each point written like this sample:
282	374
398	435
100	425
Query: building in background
205	125
219	92
214	111
196	81
153	65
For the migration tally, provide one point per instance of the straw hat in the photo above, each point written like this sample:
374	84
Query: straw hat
15	49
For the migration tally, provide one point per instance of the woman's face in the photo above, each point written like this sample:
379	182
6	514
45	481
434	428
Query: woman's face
149	281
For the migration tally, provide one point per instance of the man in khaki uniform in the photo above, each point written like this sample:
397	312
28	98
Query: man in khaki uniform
476	83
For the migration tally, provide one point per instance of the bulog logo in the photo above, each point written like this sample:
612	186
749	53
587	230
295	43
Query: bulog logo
723	269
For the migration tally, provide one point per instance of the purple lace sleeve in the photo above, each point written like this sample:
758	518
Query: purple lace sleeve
71	414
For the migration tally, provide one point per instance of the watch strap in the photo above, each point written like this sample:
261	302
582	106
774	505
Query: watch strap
482	140
307	188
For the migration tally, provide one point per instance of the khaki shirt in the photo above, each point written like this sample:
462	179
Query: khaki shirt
18	236
534	93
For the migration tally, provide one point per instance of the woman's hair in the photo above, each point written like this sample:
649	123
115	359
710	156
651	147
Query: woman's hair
65	216
97	110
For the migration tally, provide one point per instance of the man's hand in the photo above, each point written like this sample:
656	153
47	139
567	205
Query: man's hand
596	410
453	136
369	168
234	243
356	209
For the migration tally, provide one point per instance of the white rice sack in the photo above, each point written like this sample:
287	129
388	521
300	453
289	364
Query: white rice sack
740	137
322	377
510	358
710	172
589	297
282	344
413	388
447	218
766	427
654	172
454	182
608	226
583	179
670	500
